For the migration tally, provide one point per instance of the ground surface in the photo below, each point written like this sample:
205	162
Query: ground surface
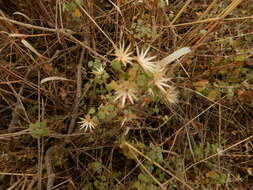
87	100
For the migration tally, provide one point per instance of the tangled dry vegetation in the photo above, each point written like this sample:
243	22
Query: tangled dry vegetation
126	94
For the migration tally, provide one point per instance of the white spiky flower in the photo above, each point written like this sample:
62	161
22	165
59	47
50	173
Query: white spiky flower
123	54
87	123
124	92
161	82
146	62
171	96
99	71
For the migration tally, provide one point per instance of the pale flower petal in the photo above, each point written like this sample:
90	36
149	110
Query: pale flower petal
124	92
99	71
86	123
172	96
161	82
123	54
146	62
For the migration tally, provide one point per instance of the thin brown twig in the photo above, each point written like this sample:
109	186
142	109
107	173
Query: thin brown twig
78	93
18	106
206	21
65	32
17	174
50	172
181	11
28	83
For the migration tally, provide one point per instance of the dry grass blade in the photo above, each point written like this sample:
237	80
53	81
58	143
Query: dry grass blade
30	47
17	174
27	25
108	38
181	11
21	78
53	78
222	15
66	33
16	134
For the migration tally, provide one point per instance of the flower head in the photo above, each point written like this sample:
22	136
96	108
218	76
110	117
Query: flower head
99	71
87	123
171	96
161	82
123	54
146	62
124	92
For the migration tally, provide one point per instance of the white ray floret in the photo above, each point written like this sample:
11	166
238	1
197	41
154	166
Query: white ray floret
125	90
171	96
99	71
161	82
123	54
146	62
124	94
86	124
